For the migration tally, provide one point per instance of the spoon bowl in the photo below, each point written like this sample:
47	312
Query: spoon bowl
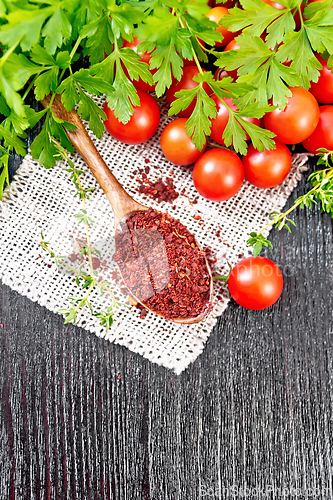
123	205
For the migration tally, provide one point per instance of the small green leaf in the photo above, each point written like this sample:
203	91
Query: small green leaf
24	26
46	82
12	140
257	248
69	93
63	59
40	55
124	96
198	125
92	84
4	174
88	110
43	149
56	30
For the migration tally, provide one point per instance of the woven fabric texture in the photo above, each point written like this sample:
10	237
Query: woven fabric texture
42	200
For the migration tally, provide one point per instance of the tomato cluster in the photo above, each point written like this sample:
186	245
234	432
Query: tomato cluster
218	173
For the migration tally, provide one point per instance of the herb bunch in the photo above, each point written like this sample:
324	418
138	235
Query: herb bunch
321	191
40	42
87	281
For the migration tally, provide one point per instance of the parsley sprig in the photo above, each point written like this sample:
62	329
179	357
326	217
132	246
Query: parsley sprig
42	42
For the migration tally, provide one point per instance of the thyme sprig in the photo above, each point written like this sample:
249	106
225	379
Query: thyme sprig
322	191
85	281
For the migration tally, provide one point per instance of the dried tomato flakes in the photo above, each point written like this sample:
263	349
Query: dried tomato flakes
162	265
158	190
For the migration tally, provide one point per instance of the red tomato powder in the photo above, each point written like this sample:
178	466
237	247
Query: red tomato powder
162	265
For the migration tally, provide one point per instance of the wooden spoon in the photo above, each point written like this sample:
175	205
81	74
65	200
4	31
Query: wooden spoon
123	205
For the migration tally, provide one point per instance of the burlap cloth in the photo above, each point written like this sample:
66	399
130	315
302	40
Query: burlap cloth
40	199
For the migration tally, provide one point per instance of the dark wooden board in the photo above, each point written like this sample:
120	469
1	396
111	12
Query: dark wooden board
81	418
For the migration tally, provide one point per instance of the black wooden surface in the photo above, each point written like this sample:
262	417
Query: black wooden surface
82	418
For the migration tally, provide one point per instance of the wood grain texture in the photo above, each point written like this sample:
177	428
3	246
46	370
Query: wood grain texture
84	419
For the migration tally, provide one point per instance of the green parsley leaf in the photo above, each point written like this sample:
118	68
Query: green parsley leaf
203	29
43	148
235	135
70	95
4	109
199	124
92	84
253	19
11	140
56	30
99	38
168	63
40	55
124	96
63	59
88	110
136	69
4	174
260	138
57	131
259	66
46	82
297	47
24	26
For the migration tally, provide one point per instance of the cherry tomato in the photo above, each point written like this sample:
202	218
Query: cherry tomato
297	121
215	14
145	57
268	168
177	146
220	122
186	82
218	174
323	89
233	45
142	125
322	137
255	283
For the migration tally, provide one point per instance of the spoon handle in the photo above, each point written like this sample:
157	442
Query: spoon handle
121	202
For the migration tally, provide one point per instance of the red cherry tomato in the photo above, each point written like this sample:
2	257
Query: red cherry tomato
322	137
145	57
255	283
218	174
215	14
220	122
323	89
268	168
142	125
297	121
177	146
233	45
186	82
